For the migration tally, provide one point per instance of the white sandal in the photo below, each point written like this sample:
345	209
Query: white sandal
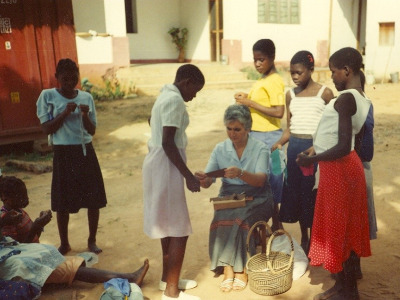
183	284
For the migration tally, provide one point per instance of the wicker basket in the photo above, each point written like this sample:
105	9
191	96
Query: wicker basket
269	272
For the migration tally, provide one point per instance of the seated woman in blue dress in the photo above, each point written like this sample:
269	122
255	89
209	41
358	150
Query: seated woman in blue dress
246	164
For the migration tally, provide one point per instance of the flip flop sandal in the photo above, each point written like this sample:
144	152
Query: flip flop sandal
239	285
226	285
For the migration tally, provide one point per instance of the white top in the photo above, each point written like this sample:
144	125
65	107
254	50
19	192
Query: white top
165	211
51	103
327	134
169	110
306	112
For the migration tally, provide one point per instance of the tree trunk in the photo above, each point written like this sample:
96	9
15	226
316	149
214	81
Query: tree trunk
181	57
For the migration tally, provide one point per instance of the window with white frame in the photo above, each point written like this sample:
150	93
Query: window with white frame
279	11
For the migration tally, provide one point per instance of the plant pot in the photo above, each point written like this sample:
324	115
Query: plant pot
181	57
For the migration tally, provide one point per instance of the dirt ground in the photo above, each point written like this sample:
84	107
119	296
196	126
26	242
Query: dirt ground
121	146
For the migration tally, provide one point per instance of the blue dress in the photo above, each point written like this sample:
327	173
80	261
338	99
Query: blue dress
229	227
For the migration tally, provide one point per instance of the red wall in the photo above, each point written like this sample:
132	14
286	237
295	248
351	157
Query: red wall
34	35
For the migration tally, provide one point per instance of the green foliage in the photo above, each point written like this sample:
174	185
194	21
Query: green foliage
111	90
179	37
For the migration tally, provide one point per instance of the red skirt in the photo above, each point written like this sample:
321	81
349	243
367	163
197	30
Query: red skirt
341	214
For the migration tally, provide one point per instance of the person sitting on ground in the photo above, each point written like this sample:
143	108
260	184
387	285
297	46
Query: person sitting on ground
245	161
14	195
40	264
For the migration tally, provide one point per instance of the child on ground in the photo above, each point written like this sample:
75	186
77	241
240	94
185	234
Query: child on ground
267	106
340	231
304	106
39	264
166	214
69	115
14	195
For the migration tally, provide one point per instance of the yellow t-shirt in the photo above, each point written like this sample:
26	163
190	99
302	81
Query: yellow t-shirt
268	92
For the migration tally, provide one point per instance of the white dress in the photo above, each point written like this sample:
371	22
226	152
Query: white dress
165	209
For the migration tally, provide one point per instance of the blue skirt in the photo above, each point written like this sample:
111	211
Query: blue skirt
298	196
229	228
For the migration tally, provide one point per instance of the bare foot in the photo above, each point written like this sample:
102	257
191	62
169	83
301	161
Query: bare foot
93	248
138	276
64	249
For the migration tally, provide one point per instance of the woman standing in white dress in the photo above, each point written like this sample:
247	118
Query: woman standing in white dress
166	214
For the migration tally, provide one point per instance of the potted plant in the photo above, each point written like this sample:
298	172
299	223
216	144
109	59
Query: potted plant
179	38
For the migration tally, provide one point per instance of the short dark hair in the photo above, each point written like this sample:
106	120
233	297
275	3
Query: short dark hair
238	112
189	71
66	64
305	58
347	56
266	47
11	186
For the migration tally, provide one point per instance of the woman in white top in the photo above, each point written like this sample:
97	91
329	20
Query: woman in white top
166	215
304	106
340	231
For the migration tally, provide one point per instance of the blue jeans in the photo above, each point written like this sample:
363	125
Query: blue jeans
276	181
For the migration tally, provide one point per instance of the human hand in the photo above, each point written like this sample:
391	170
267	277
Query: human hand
276	146
193	184
11	217
240	95
200	175
304	158
44	218
232	172
71	106
84	108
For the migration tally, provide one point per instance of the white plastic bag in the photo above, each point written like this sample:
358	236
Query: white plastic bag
281	243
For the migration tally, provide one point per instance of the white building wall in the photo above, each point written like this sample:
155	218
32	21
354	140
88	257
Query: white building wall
194	16
241	23
382	60
115	17
344	24
89	15
155	18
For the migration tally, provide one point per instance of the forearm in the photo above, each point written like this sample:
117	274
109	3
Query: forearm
175	157
253	179
52	126
87	123
273	111
333	153
284	138
34	232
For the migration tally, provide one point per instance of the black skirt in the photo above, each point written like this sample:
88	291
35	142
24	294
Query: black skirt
77	180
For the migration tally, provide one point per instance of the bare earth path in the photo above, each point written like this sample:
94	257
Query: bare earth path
121	146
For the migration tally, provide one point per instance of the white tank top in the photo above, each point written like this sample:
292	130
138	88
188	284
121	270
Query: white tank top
327	134
306	112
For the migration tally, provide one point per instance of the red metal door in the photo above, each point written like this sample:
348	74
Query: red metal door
34	35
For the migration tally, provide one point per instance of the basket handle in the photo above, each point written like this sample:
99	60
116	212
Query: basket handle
274	234
264	228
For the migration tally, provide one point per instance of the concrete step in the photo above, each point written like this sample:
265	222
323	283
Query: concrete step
148	79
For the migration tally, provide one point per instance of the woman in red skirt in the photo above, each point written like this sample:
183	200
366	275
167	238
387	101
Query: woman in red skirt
340	231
